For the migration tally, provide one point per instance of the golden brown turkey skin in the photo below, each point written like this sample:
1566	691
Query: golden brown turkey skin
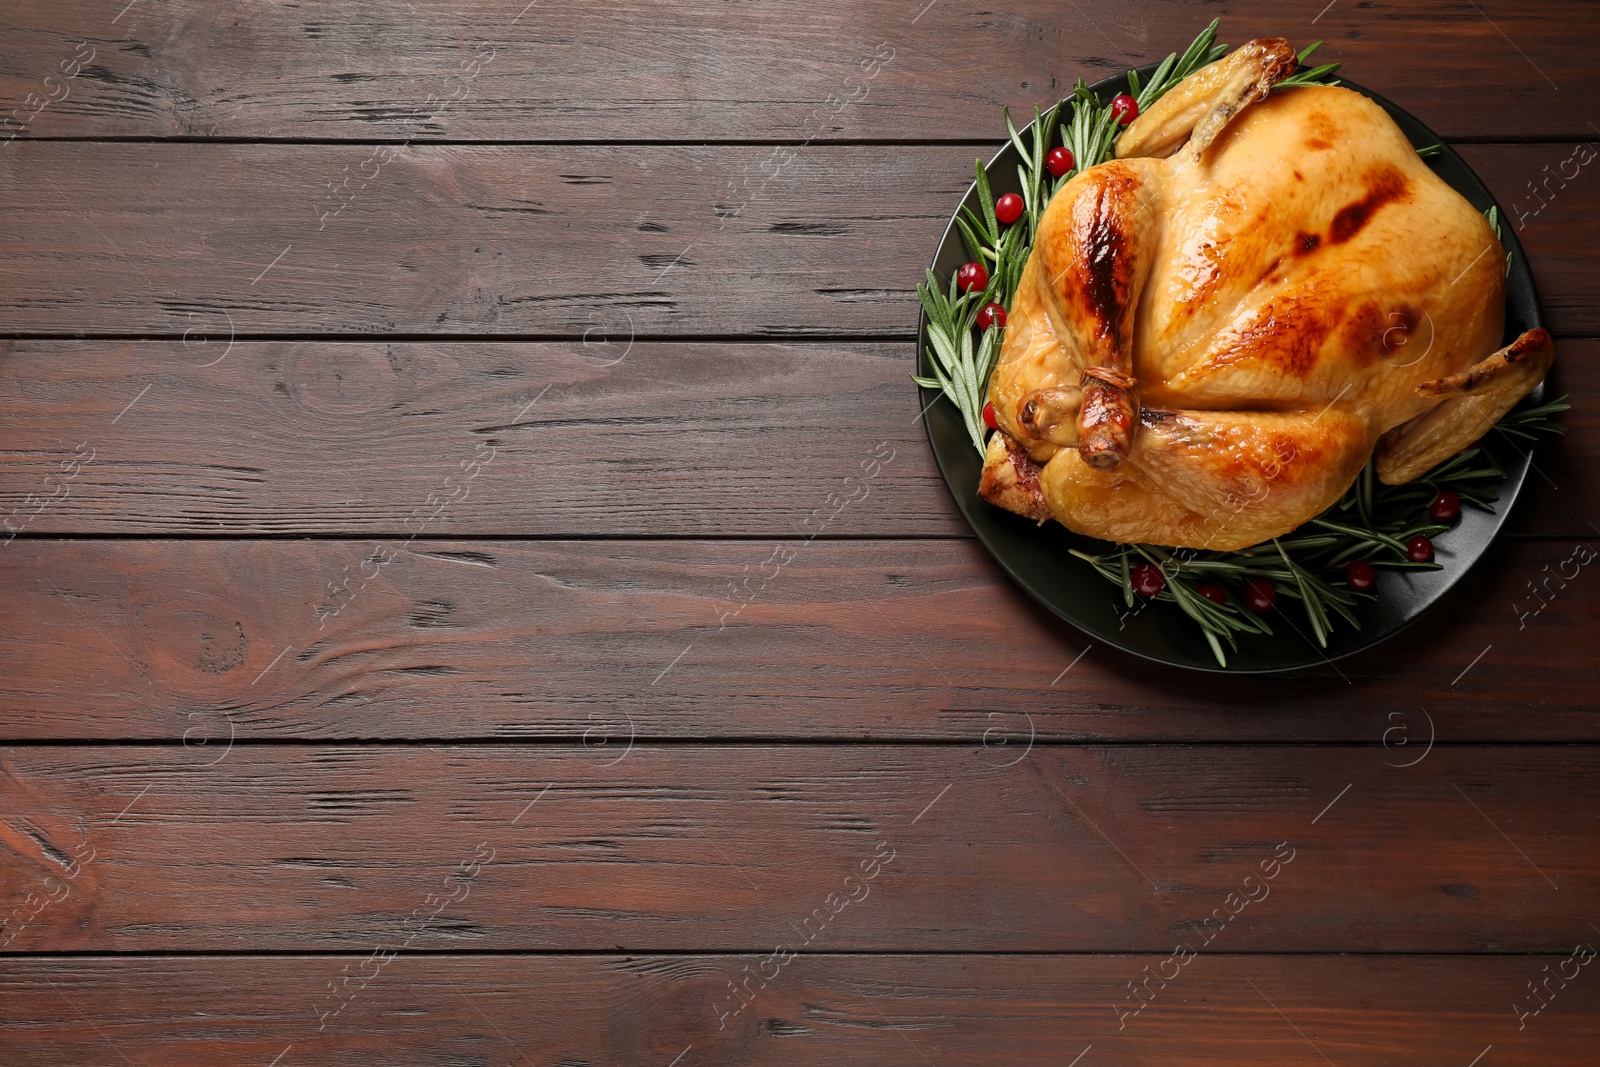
1245	319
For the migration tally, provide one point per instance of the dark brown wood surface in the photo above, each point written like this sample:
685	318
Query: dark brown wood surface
398	402
596	241
627	844
885	639
822	1010
702	70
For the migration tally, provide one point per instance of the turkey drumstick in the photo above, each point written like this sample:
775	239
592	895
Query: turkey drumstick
1104	245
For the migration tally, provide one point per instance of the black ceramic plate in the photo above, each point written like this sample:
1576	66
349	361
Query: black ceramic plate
1036	556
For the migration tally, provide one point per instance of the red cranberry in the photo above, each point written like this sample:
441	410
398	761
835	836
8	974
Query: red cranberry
1445	506
989	418
971	276
1359	575
1124	109
1419	549
991	315
1059	161
1008	208
1148	579
1212	592
1259	594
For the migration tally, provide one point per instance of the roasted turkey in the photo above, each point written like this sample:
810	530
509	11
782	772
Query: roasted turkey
1217	328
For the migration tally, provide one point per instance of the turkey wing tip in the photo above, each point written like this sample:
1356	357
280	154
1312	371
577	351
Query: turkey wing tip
1011	479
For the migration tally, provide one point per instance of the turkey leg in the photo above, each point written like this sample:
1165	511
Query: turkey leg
1111	229
1097	260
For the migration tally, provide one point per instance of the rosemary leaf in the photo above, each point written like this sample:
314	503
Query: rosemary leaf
986	200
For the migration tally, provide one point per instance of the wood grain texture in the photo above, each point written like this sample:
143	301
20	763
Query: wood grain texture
604	71
603	804
312	848
571	440
146	239
897	1011
880	639
566	439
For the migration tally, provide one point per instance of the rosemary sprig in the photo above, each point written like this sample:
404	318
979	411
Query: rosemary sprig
1307	565
960	369
1311	75
1529	423
1031	172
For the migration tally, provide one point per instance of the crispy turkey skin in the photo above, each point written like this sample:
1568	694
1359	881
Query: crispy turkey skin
1215	330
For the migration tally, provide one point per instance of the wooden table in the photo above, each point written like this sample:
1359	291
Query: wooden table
412	651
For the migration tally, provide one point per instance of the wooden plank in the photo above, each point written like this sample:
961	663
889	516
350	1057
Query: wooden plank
616	242
1548	216
881	639
1559	496
694	847
693	70
566	439
570	440
895	1011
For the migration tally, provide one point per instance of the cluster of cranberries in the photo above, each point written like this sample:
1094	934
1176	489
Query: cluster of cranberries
1445	507
974	277
1259	593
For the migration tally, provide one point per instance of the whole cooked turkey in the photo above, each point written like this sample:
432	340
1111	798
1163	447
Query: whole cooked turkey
1217	328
